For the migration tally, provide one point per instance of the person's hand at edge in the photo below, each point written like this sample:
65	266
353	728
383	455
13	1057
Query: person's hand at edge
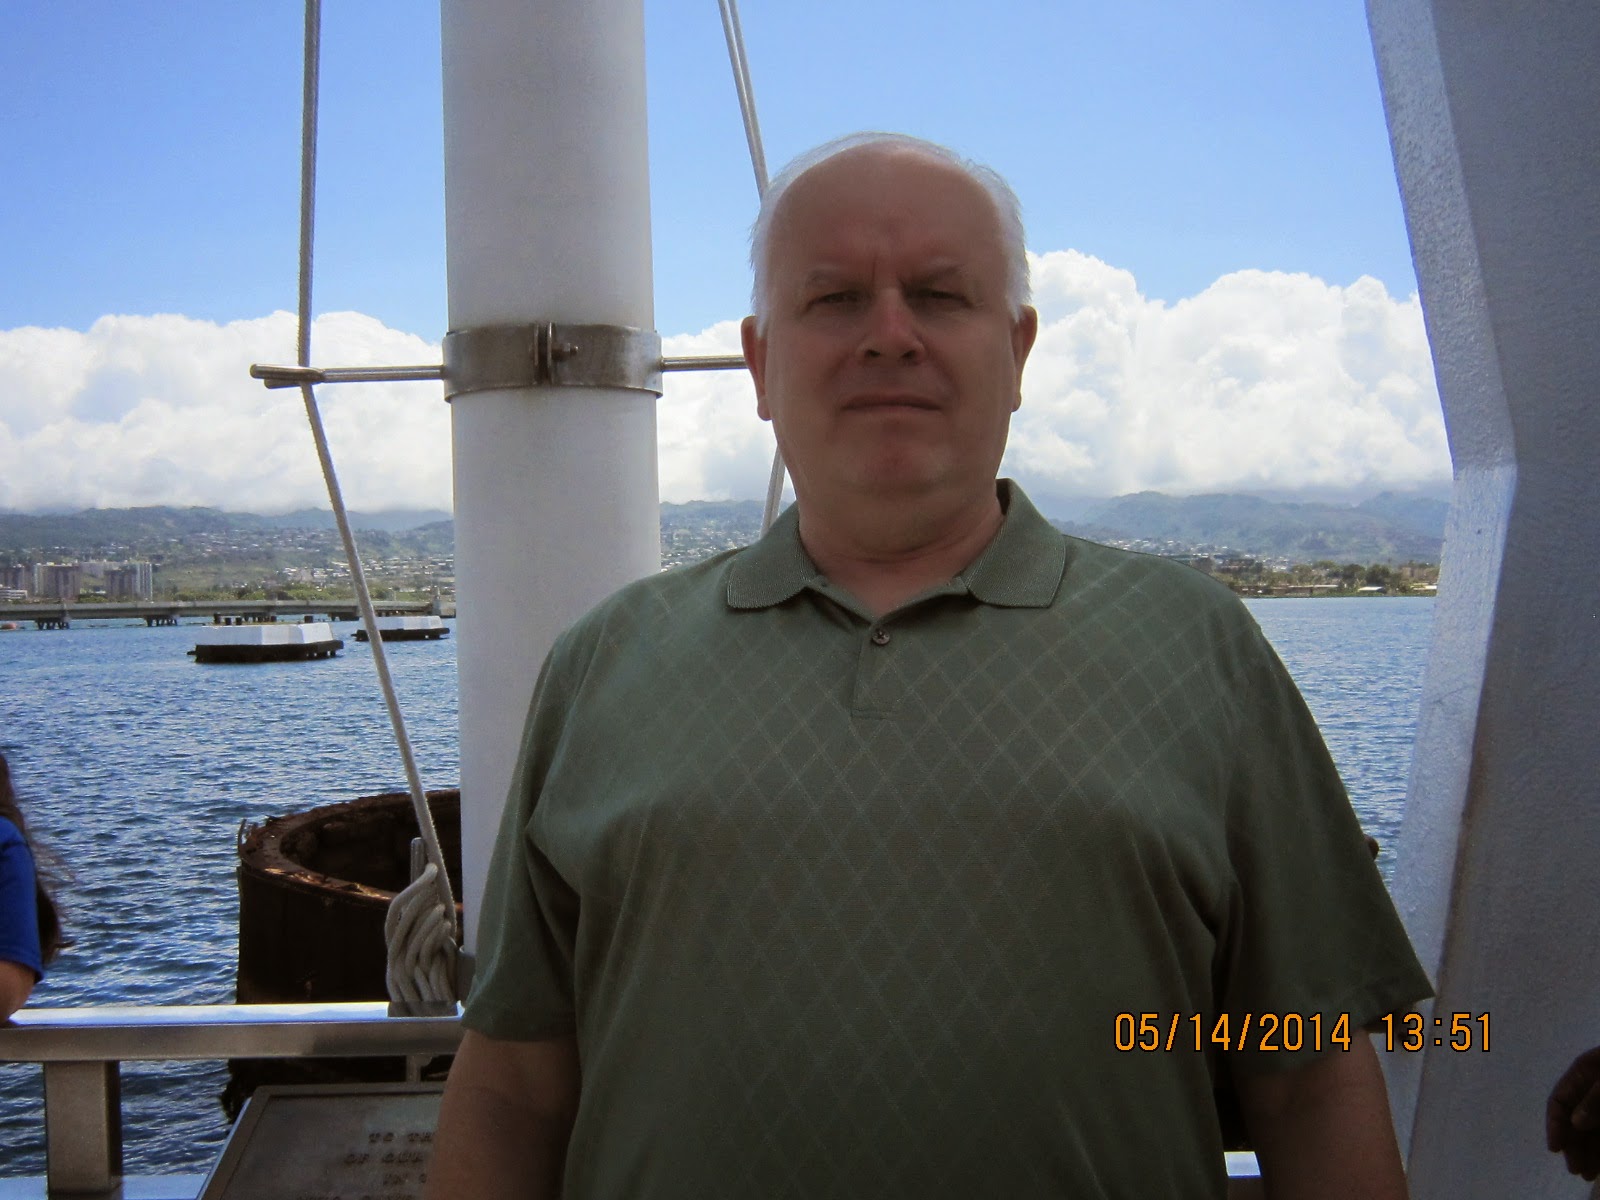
1572	1115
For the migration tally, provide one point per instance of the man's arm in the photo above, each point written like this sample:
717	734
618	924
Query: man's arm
16	981
1324	1130
505	1120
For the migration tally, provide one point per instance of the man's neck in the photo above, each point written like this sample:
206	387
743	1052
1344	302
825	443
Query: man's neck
884	552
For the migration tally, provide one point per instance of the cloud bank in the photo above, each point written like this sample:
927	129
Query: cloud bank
1264	381
161	410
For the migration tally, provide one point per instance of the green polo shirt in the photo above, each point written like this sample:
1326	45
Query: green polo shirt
844	906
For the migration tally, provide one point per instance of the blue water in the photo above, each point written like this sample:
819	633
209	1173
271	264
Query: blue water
138	766
1359	664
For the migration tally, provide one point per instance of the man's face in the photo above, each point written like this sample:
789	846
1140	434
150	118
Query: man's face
890	363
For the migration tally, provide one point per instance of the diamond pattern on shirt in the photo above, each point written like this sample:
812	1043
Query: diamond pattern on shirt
832	948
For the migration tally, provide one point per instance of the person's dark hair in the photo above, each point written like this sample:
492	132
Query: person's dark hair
51	938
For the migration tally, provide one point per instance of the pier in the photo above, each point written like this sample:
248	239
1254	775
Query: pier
58	615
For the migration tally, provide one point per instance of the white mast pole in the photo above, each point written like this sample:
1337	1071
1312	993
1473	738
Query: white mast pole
547	218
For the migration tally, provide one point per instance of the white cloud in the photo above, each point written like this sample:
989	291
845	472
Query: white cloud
161	410
712	446
1262	381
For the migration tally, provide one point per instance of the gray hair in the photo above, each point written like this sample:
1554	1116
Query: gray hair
1007	209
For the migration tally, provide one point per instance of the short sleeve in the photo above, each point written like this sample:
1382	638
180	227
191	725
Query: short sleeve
1313	943
522	988
19	913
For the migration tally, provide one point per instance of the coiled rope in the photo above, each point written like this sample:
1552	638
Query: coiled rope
420	927
733	32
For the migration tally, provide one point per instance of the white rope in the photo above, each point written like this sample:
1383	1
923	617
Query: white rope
420	927
733	32
420	932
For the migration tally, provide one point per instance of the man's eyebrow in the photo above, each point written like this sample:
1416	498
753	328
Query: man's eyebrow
825	274
938	272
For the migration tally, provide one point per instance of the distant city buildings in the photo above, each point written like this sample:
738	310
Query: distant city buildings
124	580
257	561
57	581
70	581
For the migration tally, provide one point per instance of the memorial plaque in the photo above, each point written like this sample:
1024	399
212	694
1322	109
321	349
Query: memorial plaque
361	1141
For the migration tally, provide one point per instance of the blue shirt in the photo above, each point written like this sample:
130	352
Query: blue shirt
19	915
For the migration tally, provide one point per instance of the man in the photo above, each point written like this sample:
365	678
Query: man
853	863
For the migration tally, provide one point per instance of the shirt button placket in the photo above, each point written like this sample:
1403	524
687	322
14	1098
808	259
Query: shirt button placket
873	669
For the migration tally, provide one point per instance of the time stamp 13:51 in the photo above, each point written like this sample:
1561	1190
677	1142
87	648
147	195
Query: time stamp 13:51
1292	1031
1461	1031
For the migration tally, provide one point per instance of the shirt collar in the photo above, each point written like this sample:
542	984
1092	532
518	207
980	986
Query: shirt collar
773	569
1020	568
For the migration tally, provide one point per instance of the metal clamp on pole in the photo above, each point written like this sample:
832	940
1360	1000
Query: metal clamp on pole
509	356
705	362
502	357
287	377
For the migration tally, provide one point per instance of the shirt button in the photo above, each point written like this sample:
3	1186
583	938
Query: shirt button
880	637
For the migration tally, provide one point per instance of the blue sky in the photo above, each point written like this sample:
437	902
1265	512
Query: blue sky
151	145
151	160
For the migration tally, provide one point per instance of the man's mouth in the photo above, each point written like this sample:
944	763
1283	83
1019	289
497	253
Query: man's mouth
889	402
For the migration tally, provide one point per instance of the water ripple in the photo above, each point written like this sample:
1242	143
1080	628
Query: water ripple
137	766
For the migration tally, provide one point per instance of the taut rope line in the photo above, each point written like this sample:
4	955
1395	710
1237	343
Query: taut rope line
733	32
421	924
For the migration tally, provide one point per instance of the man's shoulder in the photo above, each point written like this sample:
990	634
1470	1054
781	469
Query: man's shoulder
1024	560
656	603
1136	578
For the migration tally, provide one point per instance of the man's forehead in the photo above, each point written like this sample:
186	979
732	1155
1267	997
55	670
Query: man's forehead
869	197
883	172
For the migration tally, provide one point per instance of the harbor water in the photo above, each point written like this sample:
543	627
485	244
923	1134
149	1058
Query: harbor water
137	767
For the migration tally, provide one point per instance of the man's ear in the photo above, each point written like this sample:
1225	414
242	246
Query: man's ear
755	358
1024	330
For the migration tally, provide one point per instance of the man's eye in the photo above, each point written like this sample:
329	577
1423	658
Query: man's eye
841	299
941	296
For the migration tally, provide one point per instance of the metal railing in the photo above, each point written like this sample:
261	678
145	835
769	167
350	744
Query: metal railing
82	1049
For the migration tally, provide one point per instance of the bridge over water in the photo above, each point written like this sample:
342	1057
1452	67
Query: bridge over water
60	615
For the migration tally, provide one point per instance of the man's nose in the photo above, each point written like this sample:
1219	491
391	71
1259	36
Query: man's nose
891	330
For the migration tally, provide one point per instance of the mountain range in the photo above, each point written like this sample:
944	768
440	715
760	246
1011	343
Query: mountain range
1391	527
117	529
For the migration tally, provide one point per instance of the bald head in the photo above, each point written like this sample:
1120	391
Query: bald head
1001	199
888	353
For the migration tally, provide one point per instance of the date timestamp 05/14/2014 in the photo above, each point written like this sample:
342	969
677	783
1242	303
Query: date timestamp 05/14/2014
1292	1031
